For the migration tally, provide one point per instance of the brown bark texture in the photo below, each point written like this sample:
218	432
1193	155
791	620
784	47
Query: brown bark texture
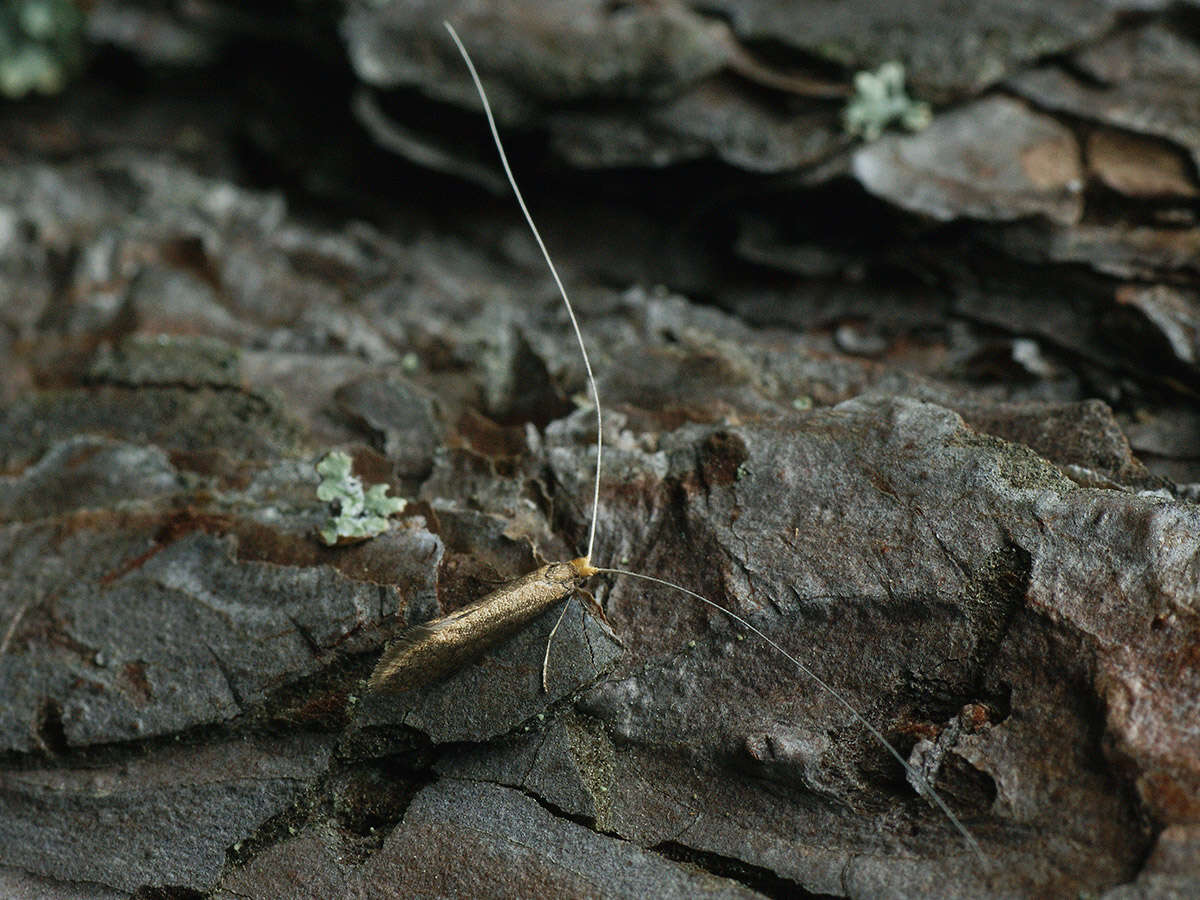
923	409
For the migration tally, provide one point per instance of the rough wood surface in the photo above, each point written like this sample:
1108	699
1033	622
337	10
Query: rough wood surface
924	410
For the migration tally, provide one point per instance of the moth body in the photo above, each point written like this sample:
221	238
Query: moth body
430	651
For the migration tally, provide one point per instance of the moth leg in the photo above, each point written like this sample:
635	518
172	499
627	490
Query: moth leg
549	640
596	608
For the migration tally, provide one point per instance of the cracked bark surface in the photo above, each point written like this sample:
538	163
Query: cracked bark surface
923	411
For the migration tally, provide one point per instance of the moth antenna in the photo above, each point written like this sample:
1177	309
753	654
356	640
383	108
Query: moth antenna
923	786
487	109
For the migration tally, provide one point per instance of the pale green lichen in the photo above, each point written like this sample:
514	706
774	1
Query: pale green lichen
357	514
879	100
41	45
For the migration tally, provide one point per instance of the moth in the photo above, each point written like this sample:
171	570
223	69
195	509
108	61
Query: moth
430	651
